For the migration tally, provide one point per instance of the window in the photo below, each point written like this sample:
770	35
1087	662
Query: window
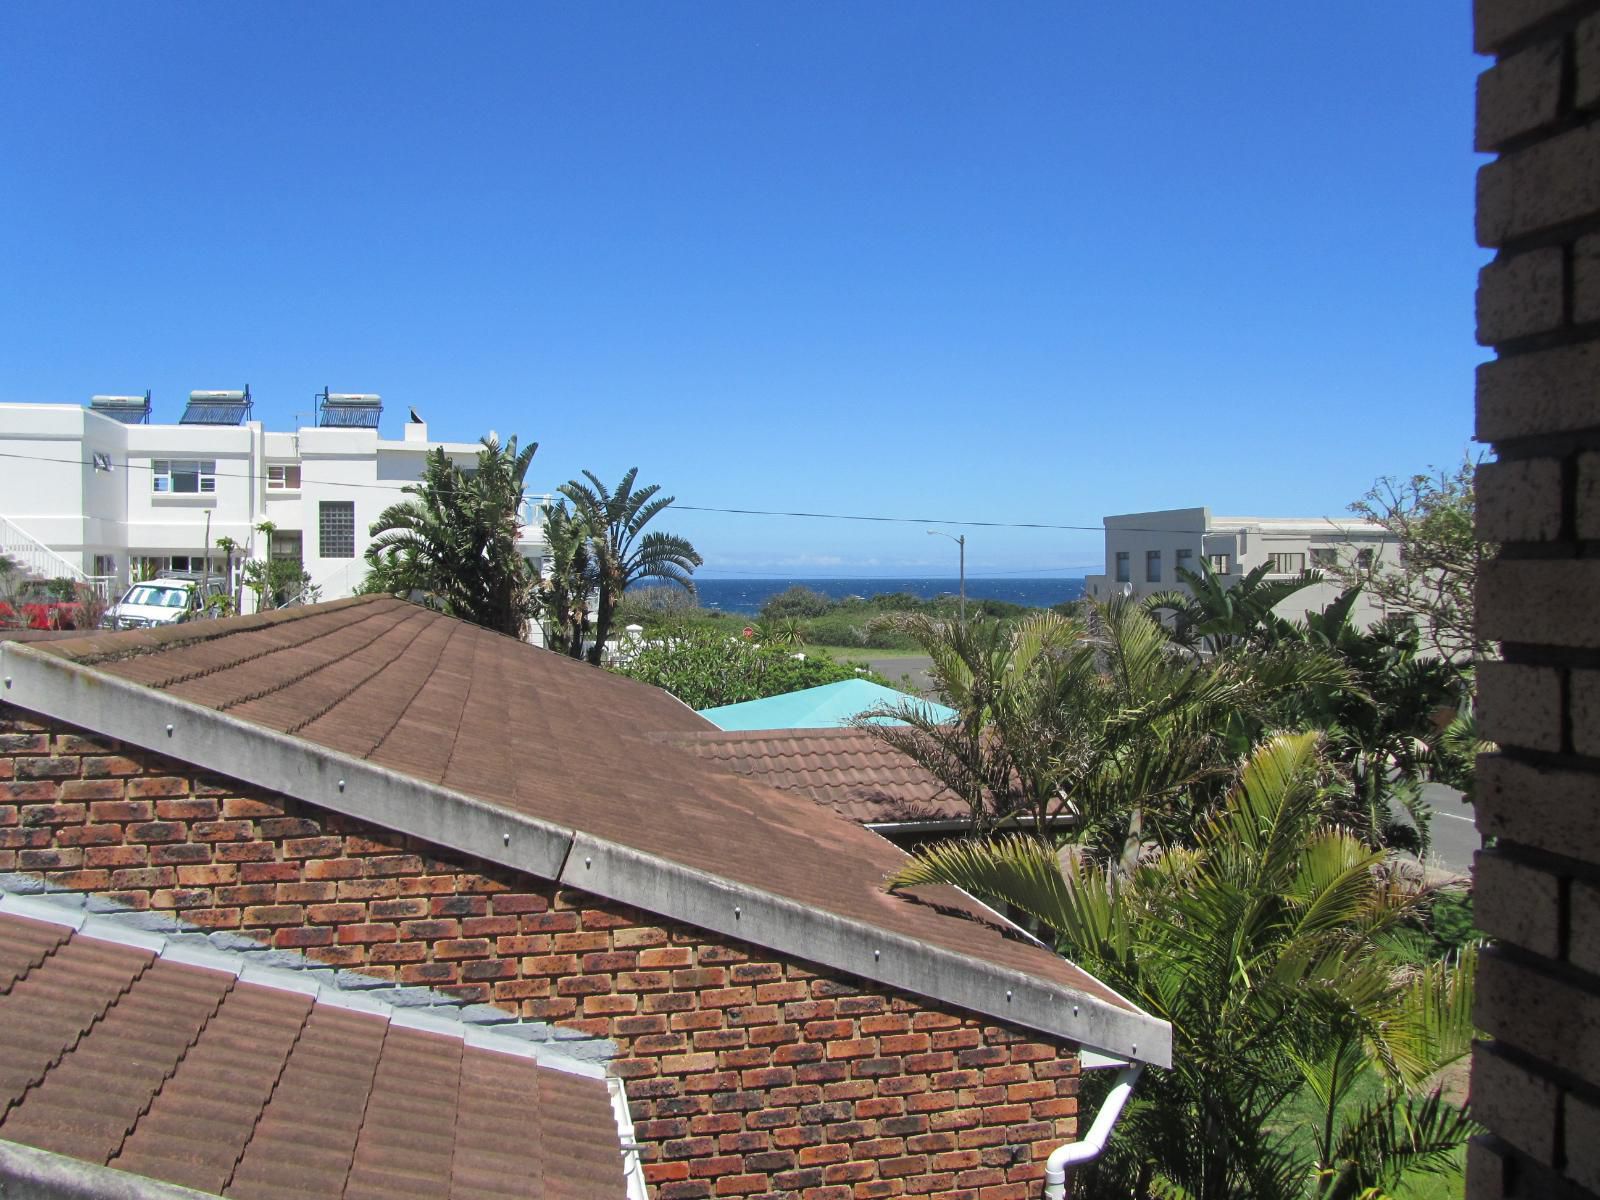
337	529
1287	564
283	478
1324	558
195	563
288	545
1183	560
1219	563
1364	560
1122	566
1152	566
183	476
105	564
151	596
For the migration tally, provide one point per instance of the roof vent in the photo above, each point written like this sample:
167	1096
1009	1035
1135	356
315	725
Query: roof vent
348	410
217	408
130	410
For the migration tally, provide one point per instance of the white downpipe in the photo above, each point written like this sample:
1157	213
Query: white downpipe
1063	1160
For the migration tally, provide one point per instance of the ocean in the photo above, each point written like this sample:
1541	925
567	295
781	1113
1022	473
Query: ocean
748	595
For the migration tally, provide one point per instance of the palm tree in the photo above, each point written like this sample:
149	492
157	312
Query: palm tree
456	539
564	592
1383	730
623	553
227	545
1213	616
1091	717
1265	945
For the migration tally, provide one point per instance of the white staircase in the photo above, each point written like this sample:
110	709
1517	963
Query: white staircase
38	561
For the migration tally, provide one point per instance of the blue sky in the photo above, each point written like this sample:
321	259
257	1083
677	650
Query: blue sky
1027	262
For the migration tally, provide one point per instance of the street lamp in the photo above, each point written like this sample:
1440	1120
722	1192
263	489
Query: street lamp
962	543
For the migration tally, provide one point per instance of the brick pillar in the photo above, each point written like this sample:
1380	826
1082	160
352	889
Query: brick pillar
1536	1084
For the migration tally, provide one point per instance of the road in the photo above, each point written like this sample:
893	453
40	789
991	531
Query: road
1455	837
893	667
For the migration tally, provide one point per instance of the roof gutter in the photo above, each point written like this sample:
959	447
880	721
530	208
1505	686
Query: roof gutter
1065	1160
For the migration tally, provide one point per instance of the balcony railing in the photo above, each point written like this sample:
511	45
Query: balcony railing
37	561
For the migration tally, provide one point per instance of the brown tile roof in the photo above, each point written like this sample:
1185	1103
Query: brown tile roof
449	703
849	770
119	1056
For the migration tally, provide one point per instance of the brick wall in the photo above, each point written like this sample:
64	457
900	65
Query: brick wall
1536	1084
749	1075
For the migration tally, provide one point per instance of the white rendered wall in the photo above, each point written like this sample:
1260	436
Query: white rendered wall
49	487
1247	541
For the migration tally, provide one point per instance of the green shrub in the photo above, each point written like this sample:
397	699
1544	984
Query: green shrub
1450	920
707	668
796	601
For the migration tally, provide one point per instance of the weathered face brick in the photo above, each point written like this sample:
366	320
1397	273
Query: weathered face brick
47	768
788	1071
110	766
53	814
189	810
91	789
35	791
177	853
156	785
150	832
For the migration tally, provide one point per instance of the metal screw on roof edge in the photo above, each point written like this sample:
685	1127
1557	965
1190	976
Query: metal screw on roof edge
736	912
506	837
588	861
169	730
877	954
1008	995
1074	1010
341	785
8	681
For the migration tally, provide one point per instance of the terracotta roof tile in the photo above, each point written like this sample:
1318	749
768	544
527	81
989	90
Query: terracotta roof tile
542	735
192	1076
23	946
136	1045
849	770
201	1120
46	1012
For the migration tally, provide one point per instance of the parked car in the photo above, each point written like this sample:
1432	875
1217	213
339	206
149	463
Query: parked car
166	600
46	604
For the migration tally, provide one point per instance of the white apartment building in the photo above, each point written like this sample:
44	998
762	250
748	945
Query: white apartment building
98	492
1145	550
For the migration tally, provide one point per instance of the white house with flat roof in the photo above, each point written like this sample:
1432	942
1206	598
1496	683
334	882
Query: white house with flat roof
1144	552
100	493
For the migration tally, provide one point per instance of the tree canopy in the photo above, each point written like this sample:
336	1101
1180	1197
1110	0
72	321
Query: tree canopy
1267	944
706	668
455	540
613	521
1433	576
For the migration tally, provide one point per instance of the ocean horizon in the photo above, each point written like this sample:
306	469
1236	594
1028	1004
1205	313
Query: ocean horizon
747	595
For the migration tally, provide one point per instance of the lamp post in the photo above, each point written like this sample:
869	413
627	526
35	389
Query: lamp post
960	542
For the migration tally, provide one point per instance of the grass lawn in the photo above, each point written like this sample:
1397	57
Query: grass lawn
1302	1115
859	652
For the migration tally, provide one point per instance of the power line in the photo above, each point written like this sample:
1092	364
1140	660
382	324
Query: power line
1337	526
134	466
